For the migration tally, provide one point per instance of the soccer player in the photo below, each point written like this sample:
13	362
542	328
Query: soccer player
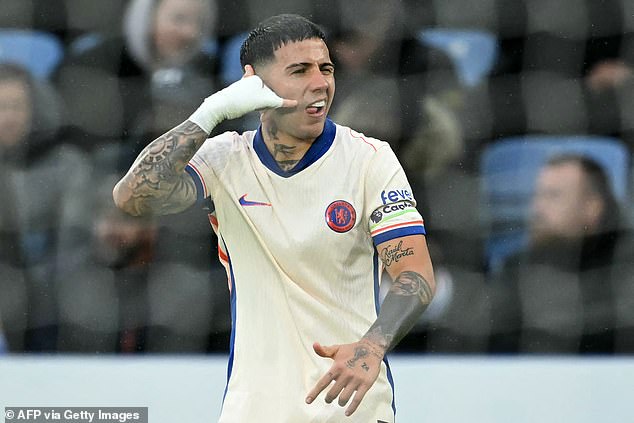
308	213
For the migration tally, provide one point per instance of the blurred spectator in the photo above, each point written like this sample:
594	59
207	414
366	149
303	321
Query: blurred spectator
41	203
394	87
563	73
609	65
161	59
118	295
102	280
128	89
557	296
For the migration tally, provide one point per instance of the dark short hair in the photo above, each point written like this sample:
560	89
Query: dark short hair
273	33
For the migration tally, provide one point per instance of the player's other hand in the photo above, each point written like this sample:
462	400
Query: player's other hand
354	370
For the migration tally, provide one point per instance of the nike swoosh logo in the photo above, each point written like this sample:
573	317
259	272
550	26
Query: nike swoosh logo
244	202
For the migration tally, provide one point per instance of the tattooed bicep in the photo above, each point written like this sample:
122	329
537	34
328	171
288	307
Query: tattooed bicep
182	196
157	183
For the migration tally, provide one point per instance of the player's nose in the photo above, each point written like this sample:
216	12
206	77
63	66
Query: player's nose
319	81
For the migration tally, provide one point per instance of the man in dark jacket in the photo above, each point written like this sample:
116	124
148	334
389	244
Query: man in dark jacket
557	295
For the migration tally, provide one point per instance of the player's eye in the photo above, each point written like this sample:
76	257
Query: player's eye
327	71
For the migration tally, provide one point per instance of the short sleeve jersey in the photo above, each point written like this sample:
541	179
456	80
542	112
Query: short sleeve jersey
300	252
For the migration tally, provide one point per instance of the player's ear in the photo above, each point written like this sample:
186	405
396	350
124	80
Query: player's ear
249	70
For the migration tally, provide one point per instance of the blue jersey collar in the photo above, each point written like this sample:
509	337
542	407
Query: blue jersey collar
318	148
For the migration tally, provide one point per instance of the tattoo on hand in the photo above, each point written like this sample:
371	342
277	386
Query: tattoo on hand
391	254
359	353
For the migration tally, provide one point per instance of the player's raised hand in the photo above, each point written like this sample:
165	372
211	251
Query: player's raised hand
249	72
354	370
243	96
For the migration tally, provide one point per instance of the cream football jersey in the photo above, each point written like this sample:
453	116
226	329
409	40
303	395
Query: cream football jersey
299	249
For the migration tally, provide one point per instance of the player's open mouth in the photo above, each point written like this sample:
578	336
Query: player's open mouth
316	108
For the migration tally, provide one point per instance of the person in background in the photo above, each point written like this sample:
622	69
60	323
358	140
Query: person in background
563	73
416	94
41	205
115	295
557	294
145	78
101	280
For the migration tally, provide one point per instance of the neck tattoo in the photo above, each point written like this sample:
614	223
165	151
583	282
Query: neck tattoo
284	154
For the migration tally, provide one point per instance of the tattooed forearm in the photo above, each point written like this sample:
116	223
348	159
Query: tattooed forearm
410	284
156	183
408	297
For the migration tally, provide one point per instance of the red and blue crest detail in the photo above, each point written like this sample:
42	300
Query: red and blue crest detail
340	216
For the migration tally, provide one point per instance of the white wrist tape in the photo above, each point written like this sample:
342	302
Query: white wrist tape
243	96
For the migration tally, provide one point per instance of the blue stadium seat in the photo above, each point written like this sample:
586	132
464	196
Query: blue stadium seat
38	51
231	70
210	47
474	52
509	168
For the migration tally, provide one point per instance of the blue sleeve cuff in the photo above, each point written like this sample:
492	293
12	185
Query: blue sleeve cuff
200	191
398	233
